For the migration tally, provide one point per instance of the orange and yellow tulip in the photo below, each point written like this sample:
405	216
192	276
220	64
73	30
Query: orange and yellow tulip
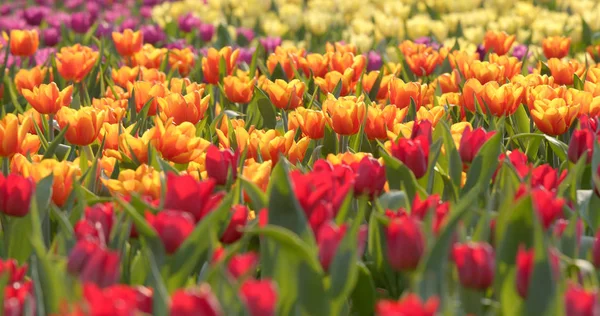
145	92
258	173
286	95
271	144
368	81
149	57
75	62
423	64
12	134
449	81
563	71
512	65
144	181
240	88
109	133
346	114
333	78
402	93
484	72
189	108
433	115
311	122
176	86
498	42
178	143
135	148
212	60
64	173
115	110
342	61
500	99
318	64
35	116
83	124
289	59
182	59
29	79
556	46
381	118
24	42
340	47
553	117
125	75
47	99
128	42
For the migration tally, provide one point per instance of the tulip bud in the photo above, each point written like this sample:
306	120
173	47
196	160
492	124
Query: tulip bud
51	36
94	263
188	22
207	31
15	297
405	243
525	260
219	164
414	153
15	195
238	221
579	302
172	227
259	296
329	237
582	142
186	194
548	207
410	304
422	128
369	177
197	301
471	142
102	215
117	299
242	264
475	264
11	268
81	22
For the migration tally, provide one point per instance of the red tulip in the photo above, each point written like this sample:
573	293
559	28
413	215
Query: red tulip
12	269
525	268
94	263
329	237
420	209
586	122
596	251
475	263
582	142
579	302
242	264
173	227
86	230
218	254
117	299
197	301
561	225
405	243
237	222
15	195
471	142
544	176
219	163
548	207
101	215
410	304
15	296
422	129
186	194
518	160
369	177
414	153
259	296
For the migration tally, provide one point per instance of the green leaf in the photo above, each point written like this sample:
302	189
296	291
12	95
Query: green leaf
258	199
484	165
141	225
266	108
160	297
363	297
394	200
49	153
399	176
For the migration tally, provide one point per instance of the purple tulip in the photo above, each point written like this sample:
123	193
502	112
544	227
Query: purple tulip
146	12
81	22
43	55
246	32
151	3
188	22
8	23
58	19
374	61
73	4
104	29
5	9
207	31
177	44
34	15
270	43
94	9
51	36
423	40
153	34
519	51
481	51
129	23
246	54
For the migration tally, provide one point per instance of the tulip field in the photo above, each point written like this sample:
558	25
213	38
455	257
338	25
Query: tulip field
287	157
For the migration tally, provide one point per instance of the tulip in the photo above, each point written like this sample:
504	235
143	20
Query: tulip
286	95
525	265
579	302
563	71
12	135
118	299
29	79
81	22
149	57
410	304
405	243
318	64
178	143
402	94
94	263
186	194
329	237
182	59
311	122
368	82
553	117
24	42
211	62
145	92
414	153
10	268
47	98
424	63
582	143
556	46
176	85
471	142
219	164
189	108
475	264
173	227
195	301
125	75
144	181
64	173
51	36
499	42
484	72
242	264
16	296
128	42
549	208
546	177
345	115
239	89
83	124
206	31
329	83
101	215
259	296
449	81
238	221
369	177
75	62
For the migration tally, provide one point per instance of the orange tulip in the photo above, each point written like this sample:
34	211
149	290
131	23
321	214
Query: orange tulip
286	95
433	115
29	79
592	88
556	46
484	72
117	93
47	99
176	86
189	108
342	61
499	42
512	65
340	47
332	79
178	143
368	81
460	60
182	59
289	59
128	42
583	99
409	48
152	75
318	64
239	89
115	110
109	133
553	117
75	62
35	117
381	118
64	173
271	144
402	93
258	173
347	158
311	122
149	57
24	42
563	71
144	181
145	92
423	64
542	92
133	147
346	114
84	124
30	145
12	134
211	62
501	100
449	81
125	75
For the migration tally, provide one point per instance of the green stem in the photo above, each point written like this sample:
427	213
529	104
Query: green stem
88	152
344	143
5	165
50	127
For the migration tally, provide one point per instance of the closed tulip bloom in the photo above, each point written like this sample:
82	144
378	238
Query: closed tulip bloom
475	263
15	195
311	122
182	59
242	265
186	194
102	216
128	42
318	64
173	227
19	297
402	94
424	63
405	243
471	142
117	299
259	296
484	72
75	62
125	75
12	134
414	153
221	163
83	125
369	177
449	81
178	143
556	46
579	302
94	263
329	83
64	172
47	98
499	42
145	92
24	42
381	119
525	265
13	271
211	62
239	89
548	207
237	222
286	95
329	237
410	304
582	143
149	57
196	301
553	117
368	82
512	65
340	61
189	108
29	79
345	115
564	70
